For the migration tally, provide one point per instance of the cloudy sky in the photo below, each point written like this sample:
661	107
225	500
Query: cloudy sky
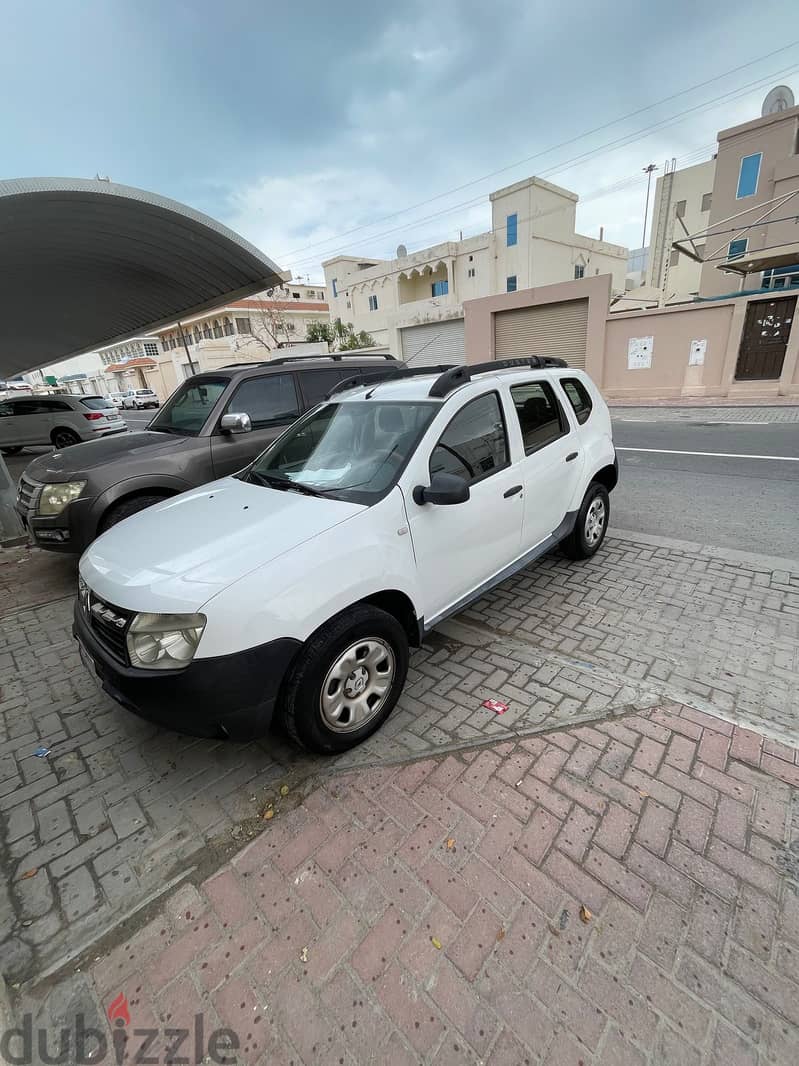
316	128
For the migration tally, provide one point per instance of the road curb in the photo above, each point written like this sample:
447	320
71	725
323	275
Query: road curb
754	560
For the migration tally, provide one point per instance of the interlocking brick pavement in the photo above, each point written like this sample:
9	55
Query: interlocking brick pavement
430	912
120	807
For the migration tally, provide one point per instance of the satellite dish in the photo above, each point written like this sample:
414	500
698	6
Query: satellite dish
402	251
779	99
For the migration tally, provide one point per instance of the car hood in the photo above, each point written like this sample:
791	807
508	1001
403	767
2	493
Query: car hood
80	458
176	555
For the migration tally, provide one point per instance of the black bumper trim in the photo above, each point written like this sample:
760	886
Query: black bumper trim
228	695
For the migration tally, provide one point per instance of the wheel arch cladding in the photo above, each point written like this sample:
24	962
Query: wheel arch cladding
607	476
398	604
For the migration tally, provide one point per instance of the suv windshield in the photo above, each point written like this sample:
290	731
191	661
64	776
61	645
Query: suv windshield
187	409
352	451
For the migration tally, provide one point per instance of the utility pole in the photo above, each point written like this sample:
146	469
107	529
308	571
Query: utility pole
648	171
193	367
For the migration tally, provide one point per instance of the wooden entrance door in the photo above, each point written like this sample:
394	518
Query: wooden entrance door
765	338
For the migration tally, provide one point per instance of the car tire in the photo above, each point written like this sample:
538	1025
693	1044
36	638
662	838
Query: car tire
64	438
125	508
17	448
376	645
591	526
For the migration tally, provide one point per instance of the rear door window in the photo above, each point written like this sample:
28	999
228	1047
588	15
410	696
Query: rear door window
267	400
316	384
578	398
541	417
474	444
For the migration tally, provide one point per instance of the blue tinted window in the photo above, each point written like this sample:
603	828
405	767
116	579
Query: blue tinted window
511	229
372	303
440	288
334	283
749	173
511	283
738	248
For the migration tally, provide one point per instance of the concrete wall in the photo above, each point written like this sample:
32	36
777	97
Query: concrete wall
719	323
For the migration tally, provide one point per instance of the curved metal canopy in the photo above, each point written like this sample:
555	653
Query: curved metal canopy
88	263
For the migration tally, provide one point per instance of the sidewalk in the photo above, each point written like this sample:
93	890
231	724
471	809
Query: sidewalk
608	895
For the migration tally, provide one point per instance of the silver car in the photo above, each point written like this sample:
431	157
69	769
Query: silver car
136	399
56	420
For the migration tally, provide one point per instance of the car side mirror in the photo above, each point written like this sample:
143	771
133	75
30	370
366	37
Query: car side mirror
236	423
444	490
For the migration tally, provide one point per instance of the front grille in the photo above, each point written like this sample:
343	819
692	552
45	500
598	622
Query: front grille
103	620
28	494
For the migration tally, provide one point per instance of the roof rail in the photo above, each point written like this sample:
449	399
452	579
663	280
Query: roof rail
335	356
460	375
379	375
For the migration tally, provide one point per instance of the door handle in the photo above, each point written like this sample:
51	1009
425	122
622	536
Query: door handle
571	456
513	491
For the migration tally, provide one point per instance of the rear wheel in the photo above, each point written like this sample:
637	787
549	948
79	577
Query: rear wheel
12	451
64	438
346	680
591	525
125	508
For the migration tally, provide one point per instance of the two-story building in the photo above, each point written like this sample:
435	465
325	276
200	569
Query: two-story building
414	303
682	205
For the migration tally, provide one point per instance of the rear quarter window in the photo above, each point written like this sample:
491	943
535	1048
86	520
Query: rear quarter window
578	397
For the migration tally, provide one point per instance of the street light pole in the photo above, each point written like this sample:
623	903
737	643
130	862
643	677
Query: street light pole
648	171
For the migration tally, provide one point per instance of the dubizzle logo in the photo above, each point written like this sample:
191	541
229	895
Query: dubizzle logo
139	1047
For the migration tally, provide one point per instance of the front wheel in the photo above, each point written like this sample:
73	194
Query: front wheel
591	525
346	680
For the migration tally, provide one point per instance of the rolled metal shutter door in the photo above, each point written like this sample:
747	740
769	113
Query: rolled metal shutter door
558	330
434	342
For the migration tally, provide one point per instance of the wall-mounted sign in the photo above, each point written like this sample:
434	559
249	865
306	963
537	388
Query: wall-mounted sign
696	356
639	353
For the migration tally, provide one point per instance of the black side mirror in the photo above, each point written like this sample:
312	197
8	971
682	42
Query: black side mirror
444	489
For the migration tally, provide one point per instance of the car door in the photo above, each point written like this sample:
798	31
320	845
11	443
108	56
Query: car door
552	464
272	403
459	547
7	424
30	425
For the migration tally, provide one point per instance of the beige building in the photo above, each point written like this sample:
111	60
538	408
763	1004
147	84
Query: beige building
753	238
681	206
243	331
414	303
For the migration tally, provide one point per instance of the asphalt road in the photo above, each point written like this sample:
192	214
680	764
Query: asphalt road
721	497
666	489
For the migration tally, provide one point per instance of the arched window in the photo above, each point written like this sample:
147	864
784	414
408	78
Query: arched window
228	327
197	335
217	329
207	331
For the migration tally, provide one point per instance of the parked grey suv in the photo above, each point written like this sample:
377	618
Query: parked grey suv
214	424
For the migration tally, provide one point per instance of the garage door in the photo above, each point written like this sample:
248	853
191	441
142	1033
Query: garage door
434	342
555	329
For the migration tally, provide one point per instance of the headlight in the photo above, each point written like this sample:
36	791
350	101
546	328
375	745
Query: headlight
164	641
54	498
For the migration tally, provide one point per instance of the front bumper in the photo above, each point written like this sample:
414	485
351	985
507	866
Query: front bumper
229	695
70	531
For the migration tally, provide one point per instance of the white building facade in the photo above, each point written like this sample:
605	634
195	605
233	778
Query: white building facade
682	205
414	303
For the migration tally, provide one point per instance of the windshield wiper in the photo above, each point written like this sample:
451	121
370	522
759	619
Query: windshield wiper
285	484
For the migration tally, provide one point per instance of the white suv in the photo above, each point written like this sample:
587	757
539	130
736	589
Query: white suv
298	584
136	399
56	420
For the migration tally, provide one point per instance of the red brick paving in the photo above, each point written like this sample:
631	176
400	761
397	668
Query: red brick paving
430	913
